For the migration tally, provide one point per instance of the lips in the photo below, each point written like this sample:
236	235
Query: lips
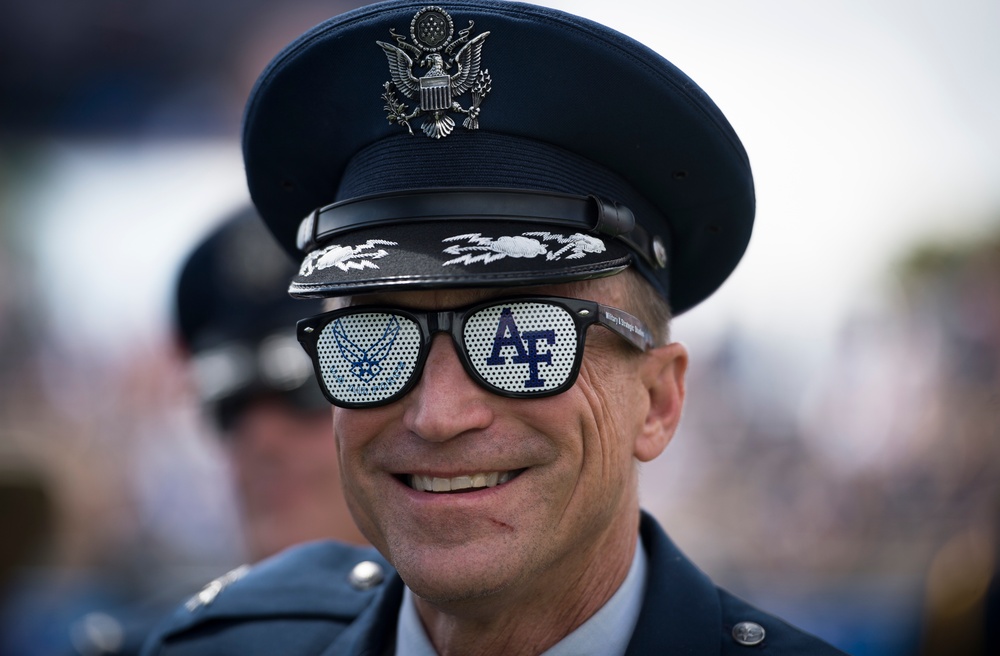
463	483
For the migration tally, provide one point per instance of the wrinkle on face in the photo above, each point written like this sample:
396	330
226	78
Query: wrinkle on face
611	421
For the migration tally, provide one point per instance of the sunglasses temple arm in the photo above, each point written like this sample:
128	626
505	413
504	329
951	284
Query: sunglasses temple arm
624	324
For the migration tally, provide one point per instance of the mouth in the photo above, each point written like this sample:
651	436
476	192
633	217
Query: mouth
460	484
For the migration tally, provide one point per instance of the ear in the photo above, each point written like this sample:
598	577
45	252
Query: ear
663	371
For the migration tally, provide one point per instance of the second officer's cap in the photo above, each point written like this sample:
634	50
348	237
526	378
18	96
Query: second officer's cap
234	319
487	143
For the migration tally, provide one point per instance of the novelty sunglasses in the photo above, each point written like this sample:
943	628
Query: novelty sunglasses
521	347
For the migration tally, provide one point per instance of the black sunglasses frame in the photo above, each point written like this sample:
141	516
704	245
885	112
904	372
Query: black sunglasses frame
584	313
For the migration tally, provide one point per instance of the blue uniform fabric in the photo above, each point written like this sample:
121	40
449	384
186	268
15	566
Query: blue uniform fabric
300	603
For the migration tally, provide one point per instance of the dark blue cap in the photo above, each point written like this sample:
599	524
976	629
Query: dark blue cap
233	314
486	143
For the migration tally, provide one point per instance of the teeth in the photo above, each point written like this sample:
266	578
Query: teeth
474	481
461	482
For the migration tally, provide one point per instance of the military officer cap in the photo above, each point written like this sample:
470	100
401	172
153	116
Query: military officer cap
487	143
234	317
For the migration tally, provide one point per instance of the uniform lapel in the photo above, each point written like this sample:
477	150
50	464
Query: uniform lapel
681	613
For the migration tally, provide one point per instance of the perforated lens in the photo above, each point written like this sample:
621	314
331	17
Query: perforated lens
524	348
368	357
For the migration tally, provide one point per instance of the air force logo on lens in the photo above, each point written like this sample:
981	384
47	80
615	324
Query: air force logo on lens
366	364
526	345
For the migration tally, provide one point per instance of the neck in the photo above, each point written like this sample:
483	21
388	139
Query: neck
535	617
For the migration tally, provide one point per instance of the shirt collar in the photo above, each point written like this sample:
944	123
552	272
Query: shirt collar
607	631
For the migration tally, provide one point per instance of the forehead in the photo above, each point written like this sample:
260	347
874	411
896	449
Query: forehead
609	290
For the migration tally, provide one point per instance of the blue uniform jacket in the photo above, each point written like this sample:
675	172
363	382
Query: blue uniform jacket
301	602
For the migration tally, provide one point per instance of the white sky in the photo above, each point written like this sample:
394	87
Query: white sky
870	124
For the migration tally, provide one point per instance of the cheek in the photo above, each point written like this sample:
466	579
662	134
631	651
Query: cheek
617	402
355	428
355	431
360	436
348	436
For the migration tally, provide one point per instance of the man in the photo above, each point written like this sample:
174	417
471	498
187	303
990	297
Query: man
483	182
233	321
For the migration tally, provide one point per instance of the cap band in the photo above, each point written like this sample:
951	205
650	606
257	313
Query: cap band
509	205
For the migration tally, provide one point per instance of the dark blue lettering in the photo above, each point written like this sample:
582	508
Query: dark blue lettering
509	335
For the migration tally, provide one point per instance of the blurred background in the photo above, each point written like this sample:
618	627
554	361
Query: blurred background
838	460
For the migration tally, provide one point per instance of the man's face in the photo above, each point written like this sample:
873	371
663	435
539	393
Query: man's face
284	462
572	495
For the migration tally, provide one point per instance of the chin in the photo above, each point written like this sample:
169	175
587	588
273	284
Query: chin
460	590
450	575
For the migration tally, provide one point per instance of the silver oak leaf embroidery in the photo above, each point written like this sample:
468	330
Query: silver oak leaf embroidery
479	249
345	258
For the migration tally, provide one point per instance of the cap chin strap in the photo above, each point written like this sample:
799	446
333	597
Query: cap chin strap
585	213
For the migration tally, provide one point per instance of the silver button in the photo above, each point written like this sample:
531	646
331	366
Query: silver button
659	251
748	634
365	575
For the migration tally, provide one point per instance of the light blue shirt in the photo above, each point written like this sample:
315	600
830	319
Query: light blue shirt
606	633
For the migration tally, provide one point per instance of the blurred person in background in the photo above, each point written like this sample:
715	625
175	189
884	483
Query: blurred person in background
234	322
234	326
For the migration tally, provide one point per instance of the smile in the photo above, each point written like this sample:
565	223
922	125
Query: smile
461	483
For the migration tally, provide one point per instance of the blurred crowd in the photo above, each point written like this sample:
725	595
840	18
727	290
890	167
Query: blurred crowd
877	479
109	67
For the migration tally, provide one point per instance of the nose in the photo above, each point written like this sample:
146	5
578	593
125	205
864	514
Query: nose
446	403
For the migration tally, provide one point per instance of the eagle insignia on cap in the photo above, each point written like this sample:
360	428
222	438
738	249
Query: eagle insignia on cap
431	31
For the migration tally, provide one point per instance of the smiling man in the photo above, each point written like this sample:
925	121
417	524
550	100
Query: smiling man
487	502
505	204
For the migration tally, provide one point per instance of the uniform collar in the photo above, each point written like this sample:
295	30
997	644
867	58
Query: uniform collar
681	612
606	632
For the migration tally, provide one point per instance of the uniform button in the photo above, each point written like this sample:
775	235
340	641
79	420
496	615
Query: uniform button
365	575
748	634
659	251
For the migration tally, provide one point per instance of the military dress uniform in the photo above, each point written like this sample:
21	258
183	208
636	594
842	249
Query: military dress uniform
329	599
483	144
